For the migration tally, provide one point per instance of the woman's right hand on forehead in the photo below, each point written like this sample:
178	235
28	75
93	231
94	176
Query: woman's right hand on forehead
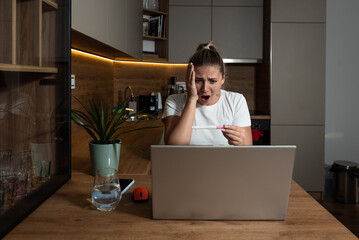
191	83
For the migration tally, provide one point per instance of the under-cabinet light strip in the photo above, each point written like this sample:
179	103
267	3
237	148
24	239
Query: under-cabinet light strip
91	55
122	61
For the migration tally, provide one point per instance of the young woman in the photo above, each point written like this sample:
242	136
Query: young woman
187	115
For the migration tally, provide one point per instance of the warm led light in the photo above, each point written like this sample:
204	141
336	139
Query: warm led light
130	62
91	55
153	63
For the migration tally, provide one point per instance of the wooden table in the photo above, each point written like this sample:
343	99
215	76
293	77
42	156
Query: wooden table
68	214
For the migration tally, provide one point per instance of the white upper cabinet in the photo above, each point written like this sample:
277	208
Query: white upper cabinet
238	32
235	28
88	17
117	23
188	27
117	18
298	72
298	11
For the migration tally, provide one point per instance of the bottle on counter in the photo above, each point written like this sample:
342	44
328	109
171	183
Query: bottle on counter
172	89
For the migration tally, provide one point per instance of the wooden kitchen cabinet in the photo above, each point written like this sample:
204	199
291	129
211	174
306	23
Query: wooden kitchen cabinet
235	28
26	33
116	23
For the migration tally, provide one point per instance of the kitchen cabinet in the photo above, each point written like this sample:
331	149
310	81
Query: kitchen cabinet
309	159
188	27
25	35
125	26
235	27
89	17
298	85
298	73
117	23
238	31
34	105
298	11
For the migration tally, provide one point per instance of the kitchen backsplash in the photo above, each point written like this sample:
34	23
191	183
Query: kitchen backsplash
98	78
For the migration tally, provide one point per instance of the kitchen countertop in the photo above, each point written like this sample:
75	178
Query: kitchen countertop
266	117
68	214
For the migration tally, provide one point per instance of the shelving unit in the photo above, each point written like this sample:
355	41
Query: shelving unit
161	43
30	47
34	105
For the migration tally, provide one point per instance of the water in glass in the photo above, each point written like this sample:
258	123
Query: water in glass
106	193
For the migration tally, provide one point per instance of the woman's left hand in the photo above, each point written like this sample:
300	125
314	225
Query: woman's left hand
237	135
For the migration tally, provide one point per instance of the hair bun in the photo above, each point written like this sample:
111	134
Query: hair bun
209	46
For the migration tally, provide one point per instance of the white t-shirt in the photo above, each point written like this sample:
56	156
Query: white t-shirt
230	109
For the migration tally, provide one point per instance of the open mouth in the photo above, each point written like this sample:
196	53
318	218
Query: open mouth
204	98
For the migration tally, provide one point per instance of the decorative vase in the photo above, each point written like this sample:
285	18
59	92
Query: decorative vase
104	155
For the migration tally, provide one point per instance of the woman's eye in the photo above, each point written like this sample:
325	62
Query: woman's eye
198	81
212	81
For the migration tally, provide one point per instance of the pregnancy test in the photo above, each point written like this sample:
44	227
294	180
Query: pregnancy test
208	127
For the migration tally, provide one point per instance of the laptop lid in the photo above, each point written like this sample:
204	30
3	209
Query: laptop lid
221	182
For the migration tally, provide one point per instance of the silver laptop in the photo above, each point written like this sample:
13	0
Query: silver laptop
221	182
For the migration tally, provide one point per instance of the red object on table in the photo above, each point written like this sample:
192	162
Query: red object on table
140	194
256	134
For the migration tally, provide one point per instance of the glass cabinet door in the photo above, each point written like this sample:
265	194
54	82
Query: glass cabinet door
34	104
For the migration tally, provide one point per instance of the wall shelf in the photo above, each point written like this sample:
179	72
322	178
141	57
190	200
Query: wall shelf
160	53
34	105
26	68
28	36
50	5
151	12
154	38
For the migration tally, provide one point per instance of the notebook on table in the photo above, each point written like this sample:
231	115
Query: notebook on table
221	182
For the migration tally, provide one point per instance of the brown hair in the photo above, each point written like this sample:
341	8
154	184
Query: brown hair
207	55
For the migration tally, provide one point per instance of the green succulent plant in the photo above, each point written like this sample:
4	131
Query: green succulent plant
104	123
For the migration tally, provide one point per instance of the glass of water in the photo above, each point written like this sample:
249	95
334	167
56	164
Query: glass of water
106	192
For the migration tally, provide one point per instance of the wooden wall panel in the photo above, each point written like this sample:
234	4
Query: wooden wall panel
5	29
143	78
94	80
263	85
146	78
241	79
25	117
27	38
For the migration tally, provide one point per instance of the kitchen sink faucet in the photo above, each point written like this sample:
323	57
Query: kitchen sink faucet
132	103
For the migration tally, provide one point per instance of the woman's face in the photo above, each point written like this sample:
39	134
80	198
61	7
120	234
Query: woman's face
209	81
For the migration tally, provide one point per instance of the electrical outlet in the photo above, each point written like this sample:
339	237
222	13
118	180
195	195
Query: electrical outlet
73	81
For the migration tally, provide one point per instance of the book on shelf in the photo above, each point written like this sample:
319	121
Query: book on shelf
156	26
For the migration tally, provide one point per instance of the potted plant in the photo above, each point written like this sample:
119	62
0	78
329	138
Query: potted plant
105	125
